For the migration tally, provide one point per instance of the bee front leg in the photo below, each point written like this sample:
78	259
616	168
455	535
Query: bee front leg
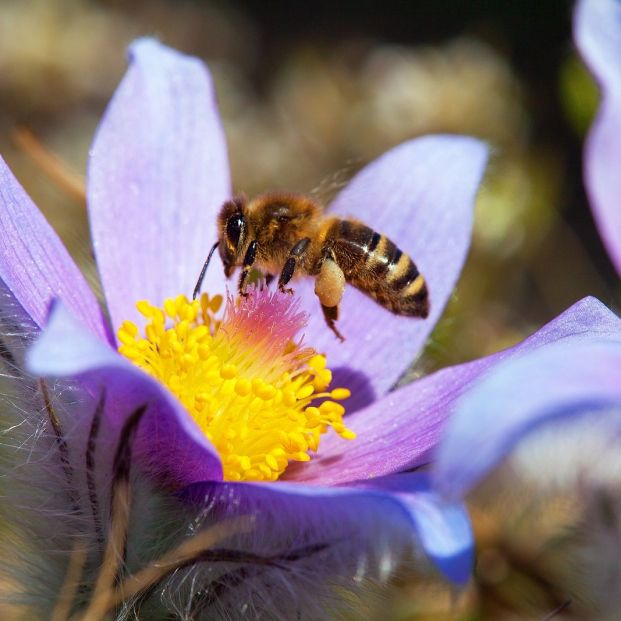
329	287
295	254
249	258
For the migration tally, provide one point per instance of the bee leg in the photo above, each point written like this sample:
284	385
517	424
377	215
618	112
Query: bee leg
295	254
268	280
331	314
329	287
249	258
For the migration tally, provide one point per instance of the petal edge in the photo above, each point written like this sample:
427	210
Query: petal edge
158	172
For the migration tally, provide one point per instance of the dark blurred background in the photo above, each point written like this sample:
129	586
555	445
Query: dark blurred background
309	93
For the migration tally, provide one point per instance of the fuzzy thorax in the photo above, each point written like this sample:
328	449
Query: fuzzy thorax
244	380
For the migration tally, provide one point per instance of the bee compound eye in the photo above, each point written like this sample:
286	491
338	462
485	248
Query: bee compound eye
234	228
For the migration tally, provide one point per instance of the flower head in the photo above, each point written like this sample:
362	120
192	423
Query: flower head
209	410
214	412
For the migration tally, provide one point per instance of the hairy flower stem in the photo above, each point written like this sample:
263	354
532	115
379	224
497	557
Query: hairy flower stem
70	585
63	449
90	468
120	502
186	553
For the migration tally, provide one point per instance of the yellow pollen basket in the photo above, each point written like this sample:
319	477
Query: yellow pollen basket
244	380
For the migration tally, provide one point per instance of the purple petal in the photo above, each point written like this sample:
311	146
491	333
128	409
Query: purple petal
380	521
551	384
168	442
597	32
443	528
397	432
421	195
35	267
158	173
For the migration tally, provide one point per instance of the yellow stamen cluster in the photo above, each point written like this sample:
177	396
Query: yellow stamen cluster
245	382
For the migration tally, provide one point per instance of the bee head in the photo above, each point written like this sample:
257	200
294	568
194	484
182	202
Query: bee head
232	225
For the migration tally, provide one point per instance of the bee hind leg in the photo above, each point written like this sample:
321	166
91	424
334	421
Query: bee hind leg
331	314
329	287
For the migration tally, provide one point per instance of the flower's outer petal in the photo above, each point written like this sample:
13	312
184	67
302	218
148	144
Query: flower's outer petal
582	454
443	527
386	517
168	441
421	195
551	384
158	173
35	267
597	32
398	431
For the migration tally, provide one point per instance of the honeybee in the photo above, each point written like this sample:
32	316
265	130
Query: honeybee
288	233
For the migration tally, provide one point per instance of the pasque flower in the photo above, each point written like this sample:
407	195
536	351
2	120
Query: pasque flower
571	389
182	404
328	511
580	373
553	414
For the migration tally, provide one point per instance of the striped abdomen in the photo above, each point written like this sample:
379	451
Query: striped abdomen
373	264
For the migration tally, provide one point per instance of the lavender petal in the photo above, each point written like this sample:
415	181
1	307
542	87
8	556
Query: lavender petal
421	195
158	173
597	32
400	430
551	384
380	522
35	267
169	443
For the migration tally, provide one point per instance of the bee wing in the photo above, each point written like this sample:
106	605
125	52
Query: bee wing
329	186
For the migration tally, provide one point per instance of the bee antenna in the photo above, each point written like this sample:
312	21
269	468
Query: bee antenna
201	276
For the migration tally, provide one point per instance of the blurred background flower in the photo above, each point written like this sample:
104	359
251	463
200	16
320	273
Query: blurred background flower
545	426
309	95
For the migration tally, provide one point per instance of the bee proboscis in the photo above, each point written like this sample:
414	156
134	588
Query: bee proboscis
288	233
